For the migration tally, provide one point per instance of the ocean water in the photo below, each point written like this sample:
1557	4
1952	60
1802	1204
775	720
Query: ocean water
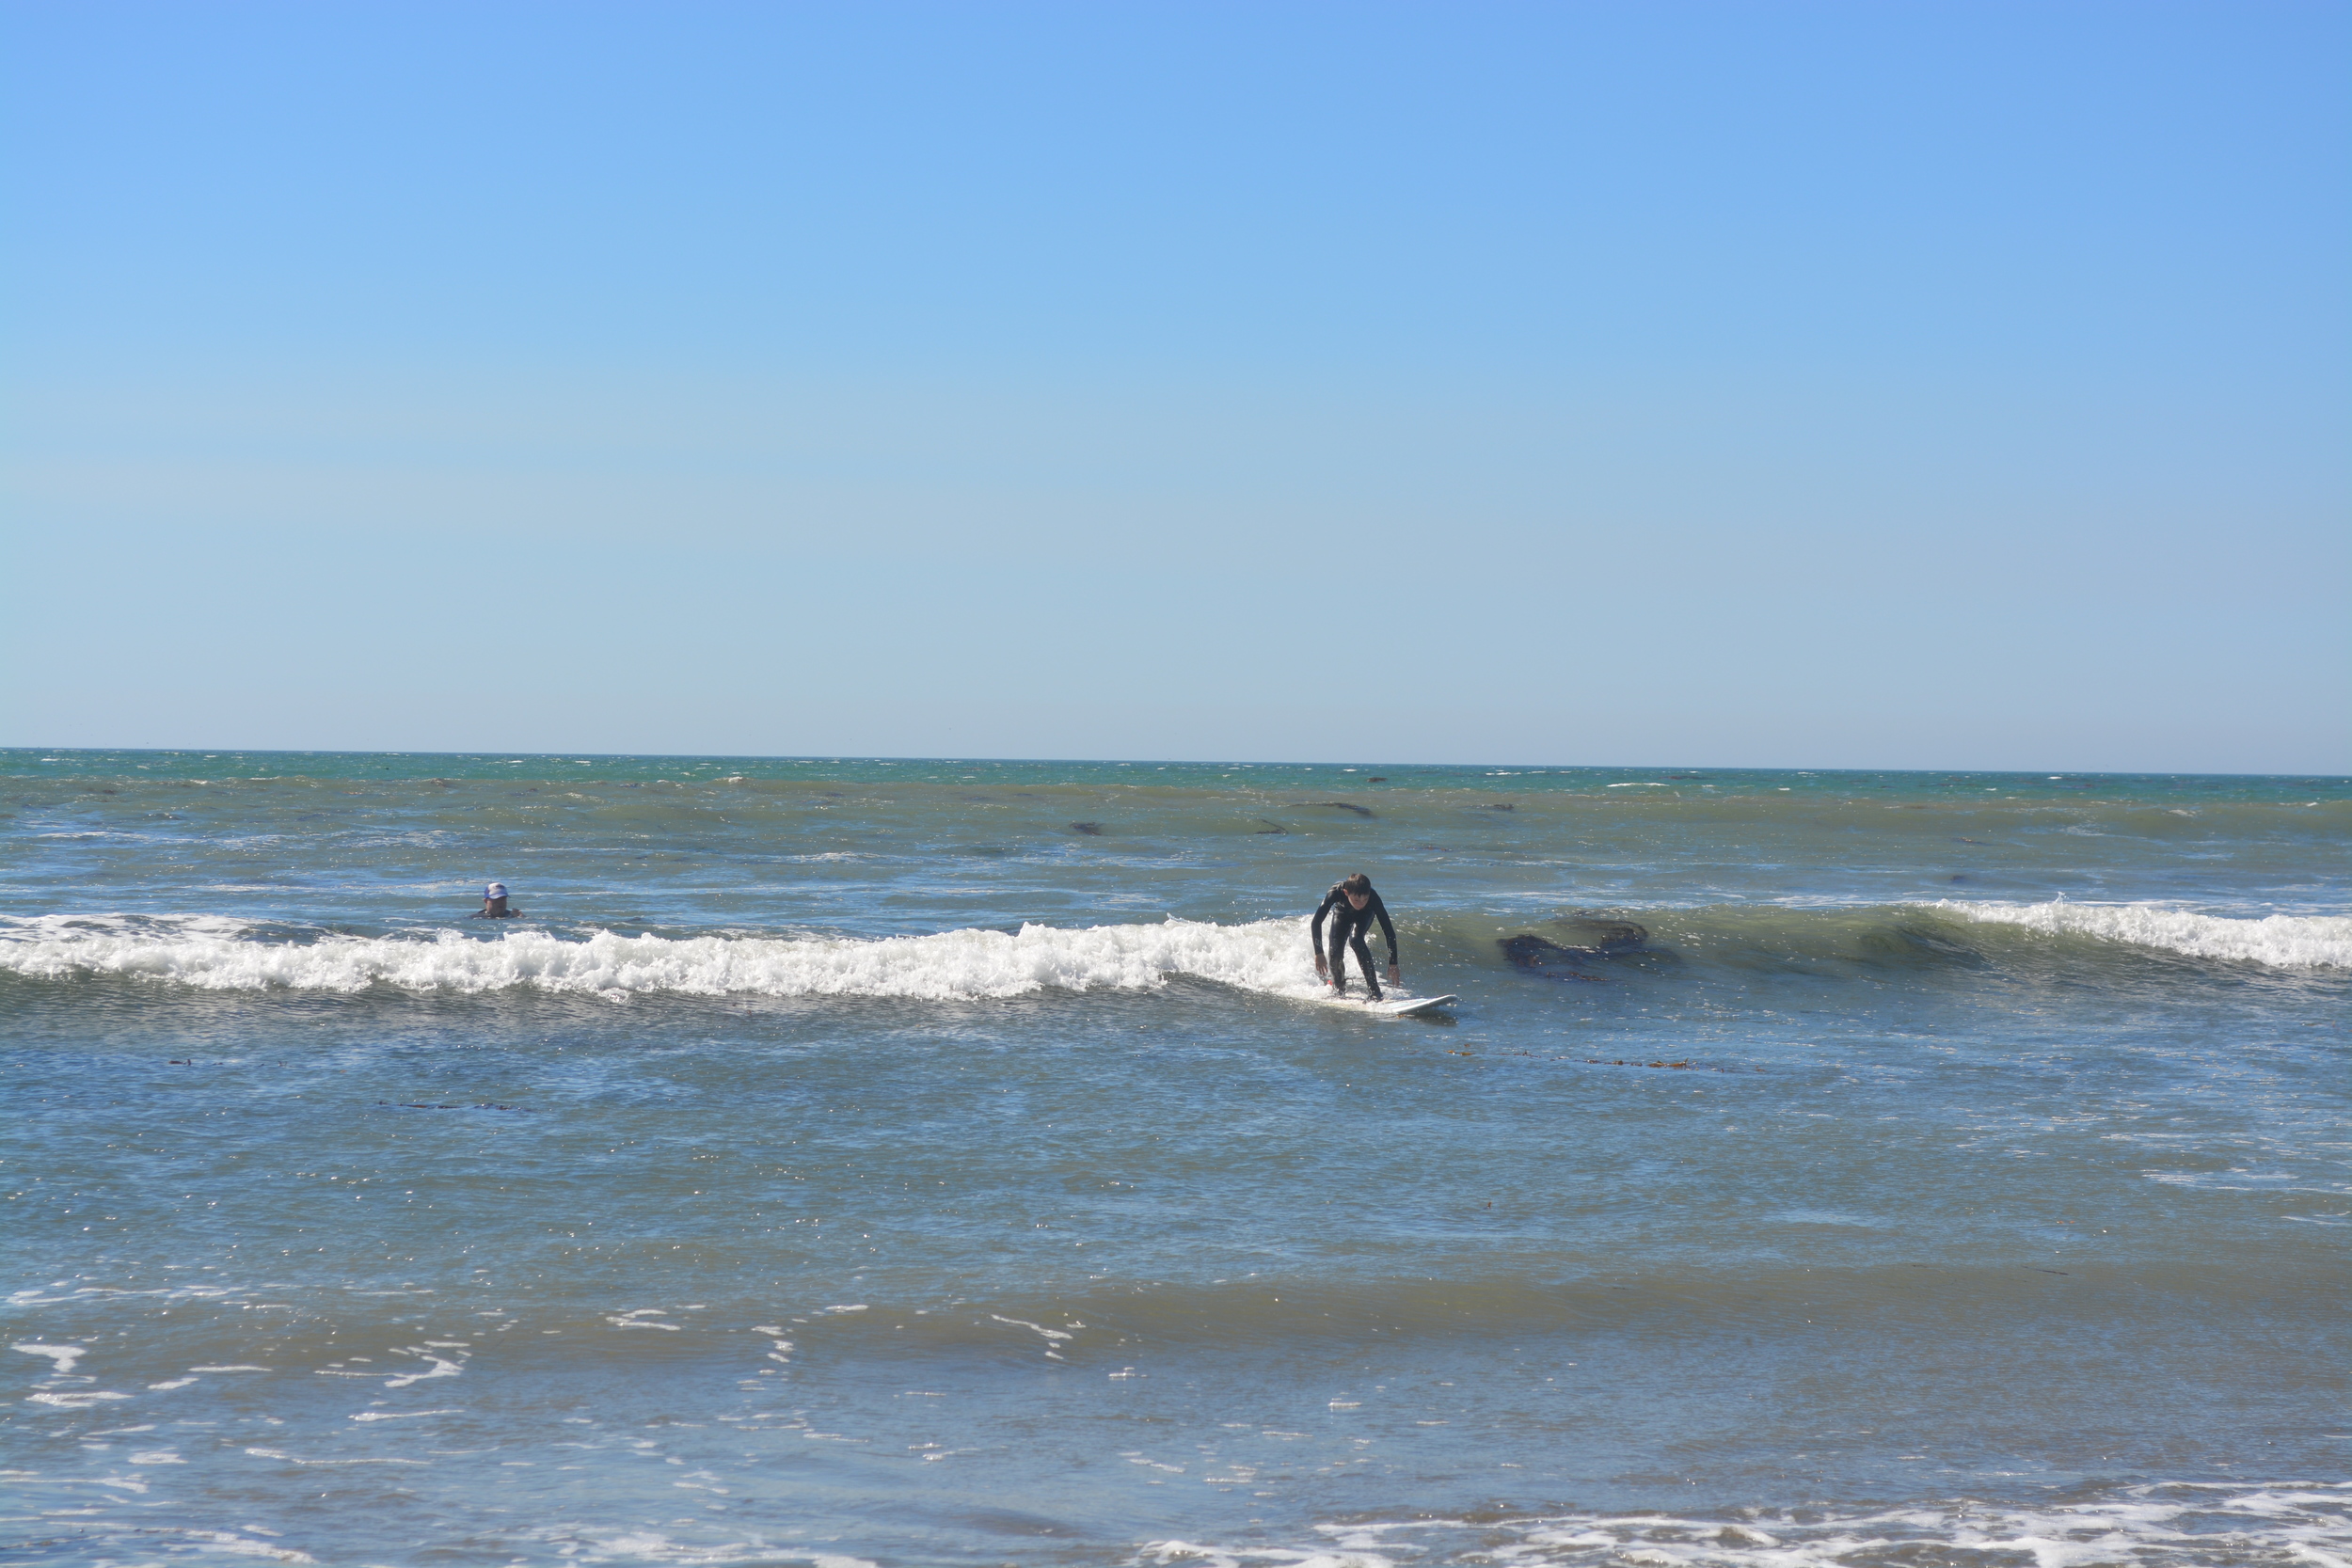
940	1163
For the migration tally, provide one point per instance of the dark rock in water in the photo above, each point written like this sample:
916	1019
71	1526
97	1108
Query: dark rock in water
1377	778
1600	934
1595	940
1003	1521
1546	958
1092	829
1342	805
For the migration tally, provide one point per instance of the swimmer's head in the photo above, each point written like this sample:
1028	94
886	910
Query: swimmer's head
495	890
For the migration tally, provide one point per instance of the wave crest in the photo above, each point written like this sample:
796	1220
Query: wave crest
2282	940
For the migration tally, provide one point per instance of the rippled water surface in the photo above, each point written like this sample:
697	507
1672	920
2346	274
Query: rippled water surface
954	1162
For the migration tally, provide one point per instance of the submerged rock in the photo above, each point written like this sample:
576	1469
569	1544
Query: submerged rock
1601	940
1601	934
1538	957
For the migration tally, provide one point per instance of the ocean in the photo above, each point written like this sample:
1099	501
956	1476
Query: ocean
865	1162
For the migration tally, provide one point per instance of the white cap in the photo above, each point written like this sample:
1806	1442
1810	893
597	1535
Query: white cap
496	889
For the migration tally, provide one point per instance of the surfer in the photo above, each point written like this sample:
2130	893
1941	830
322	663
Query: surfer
494	904
1353	906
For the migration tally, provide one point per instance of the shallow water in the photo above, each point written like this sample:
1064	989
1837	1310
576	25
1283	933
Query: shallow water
952	1162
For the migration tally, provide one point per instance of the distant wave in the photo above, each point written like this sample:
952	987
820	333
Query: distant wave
2283	941
1269	956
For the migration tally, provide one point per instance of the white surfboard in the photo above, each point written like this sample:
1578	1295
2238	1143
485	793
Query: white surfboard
1411	1007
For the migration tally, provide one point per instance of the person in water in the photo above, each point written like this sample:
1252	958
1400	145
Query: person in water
1353	906
494	904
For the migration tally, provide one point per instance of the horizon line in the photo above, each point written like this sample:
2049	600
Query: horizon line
1172	762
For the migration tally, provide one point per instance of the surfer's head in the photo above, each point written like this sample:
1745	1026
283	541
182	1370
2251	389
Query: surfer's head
1359	889
494	898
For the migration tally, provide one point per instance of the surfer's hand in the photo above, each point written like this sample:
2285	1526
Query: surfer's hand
1320	968
1392	980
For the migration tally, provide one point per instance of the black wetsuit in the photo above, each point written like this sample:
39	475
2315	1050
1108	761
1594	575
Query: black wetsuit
1349	926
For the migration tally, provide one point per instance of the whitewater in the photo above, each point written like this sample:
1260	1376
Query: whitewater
902	1162
2283	941
227	955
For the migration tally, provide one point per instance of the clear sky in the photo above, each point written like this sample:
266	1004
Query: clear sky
1805	384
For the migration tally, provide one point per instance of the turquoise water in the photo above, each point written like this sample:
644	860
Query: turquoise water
933	1161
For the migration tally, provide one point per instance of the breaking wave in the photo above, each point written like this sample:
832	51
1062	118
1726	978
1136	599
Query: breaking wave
1269	956
2283	941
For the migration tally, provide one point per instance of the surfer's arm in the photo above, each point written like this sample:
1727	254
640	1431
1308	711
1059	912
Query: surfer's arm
1388	932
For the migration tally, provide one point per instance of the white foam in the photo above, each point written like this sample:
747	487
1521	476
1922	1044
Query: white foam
646	1546
1269	956
62	1355
2283	941
2163	1524
441	1366
221	1543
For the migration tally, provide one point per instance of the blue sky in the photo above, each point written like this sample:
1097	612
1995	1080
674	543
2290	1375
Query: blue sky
1810	385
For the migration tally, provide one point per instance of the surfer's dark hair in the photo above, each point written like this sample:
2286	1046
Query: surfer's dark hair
1357	882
